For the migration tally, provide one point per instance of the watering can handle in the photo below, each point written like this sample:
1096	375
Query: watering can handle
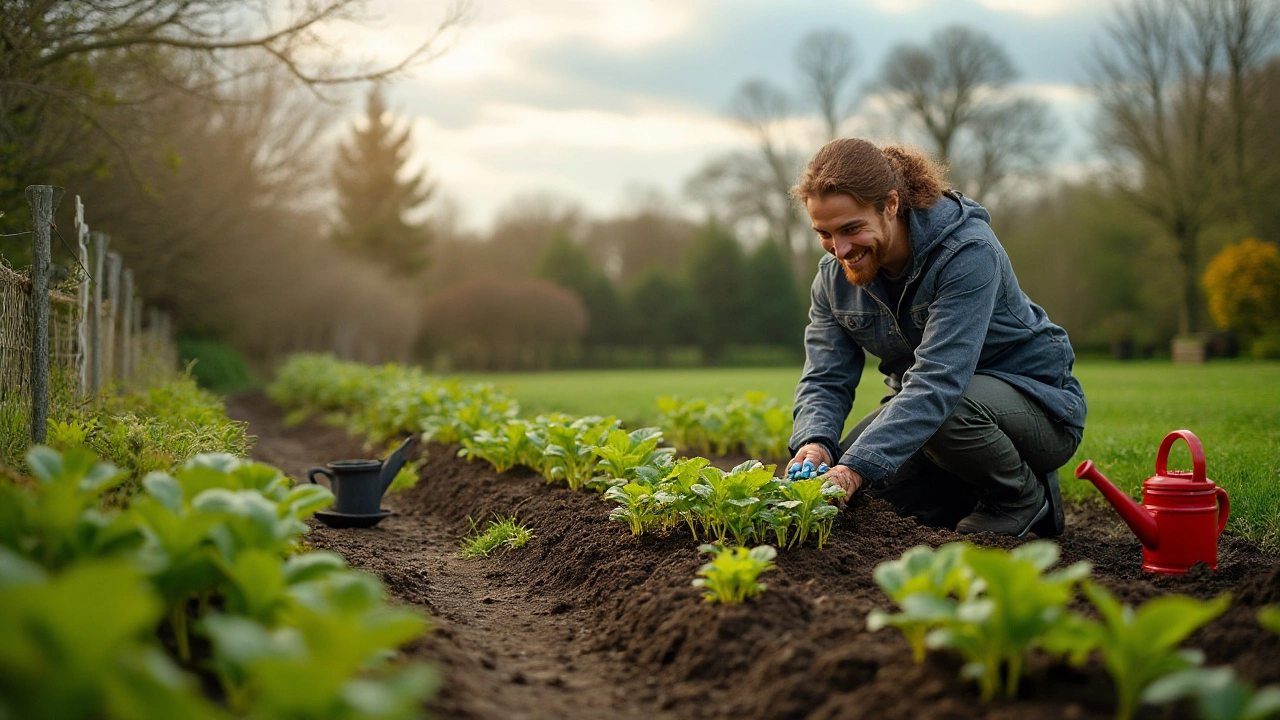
1224	509
311	475
1197	454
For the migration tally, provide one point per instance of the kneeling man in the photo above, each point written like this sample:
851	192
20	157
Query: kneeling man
983	408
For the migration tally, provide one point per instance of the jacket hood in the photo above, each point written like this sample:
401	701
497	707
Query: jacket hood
930	226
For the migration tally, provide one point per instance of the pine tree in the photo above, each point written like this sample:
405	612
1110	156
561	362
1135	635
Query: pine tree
373	199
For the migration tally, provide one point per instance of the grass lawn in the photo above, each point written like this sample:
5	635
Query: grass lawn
1233	407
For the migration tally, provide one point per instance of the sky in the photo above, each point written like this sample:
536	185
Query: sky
601	101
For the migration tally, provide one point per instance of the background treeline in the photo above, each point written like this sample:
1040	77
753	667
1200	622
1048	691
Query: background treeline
215	158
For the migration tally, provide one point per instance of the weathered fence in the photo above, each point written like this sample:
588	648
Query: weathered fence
81	338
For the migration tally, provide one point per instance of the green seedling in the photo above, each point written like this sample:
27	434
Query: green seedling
1138	646
923	582
637	505
633	456
1219	694
503	448
1018	605
1269	618
733	573
498	533
809	503
675	496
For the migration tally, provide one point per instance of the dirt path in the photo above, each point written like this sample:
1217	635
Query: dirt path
508	651
588	621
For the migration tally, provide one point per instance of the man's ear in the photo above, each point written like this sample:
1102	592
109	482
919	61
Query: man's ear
891	204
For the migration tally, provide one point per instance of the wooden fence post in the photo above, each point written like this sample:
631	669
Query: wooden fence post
44	201
113	316
126	327
82	295
100	240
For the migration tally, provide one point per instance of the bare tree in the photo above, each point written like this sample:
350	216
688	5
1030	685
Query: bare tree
827	60
1167	120
1249	29
67	64
954	90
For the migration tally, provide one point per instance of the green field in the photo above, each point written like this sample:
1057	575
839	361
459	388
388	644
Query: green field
1233	407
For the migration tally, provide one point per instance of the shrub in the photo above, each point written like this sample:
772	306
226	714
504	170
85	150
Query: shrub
217	365
1242	285
503	322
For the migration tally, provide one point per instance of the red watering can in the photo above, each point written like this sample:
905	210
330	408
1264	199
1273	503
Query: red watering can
1181	515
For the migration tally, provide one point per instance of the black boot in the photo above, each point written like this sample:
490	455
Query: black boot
1055	522
1014	517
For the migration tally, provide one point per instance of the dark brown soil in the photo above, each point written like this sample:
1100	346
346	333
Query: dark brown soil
587	621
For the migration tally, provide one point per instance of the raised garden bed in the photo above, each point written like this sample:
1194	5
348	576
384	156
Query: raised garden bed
588	621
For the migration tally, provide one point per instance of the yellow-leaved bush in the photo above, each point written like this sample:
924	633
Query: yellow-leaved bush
1242	285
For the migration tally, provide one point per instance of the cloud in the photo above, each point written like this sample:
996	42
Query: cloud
587	154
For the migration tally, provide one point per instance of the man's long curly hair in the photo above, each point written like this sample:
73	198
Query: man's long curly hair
868	173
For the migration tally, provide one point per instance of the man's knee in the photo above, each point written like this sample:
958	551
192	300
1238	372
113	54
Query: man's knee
970	422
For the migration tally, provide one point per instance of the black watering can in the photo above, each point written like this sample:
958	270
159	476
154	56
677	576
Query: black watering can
358	487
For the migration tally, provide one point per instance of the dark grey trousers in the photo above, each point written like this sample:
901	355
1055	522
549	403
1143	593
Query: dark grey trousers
991	448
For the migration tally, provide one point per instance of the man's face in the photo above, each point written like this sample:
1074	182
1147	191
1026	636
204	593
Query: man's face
855	234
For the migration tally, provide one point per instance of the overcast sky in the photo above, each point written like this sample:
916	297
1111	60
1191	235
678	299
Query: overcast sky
594	99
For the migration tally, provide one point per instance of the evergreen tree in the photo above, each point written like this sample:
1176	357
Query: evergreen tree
663	313
567	264
373	199
714	267
775	309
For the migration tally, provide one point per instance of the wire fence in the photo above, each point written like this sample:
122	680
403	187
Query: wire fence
85	336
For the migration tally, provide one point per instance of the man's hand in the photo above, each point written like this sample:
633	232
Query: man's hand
847	478
814	454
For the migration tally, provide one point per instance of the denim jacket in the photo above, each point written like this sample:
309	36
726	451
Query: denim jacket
961	313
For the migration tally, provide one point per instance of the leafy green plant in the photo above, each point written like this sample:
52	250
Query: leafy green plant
634	455
1018	605
1269	618
921	582
637	505
675	497
73	645
732	575
497	533
568	450
1138	646
503	448
734	502
809	503
1219	694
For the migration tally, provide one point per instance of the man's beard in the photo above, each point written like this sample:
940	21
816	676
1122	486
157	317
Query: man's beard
866	272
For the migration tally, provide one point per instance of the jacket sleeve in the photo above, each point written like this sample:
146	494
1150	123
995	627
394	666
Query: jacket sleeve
945	360
832	368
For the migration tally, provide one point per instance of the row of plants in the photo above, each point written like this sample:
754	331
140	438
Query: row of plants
197	600
139	430
994	607
653	491
753	423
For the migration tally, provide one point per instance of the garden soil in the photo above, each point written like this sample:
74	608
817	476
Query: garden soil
587	621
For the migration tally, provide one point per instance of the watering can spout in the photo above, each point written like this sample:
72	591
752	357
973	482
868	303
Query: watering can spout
1134	515
394	462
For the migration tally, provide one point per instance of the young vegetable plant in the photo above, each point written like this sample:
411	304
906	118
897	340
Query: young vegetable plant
925	583
634	455
675	496
503	448
1269	618
568	451
1219	694
1138	646
637	505
809	502
499	532
733	573
1016	608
